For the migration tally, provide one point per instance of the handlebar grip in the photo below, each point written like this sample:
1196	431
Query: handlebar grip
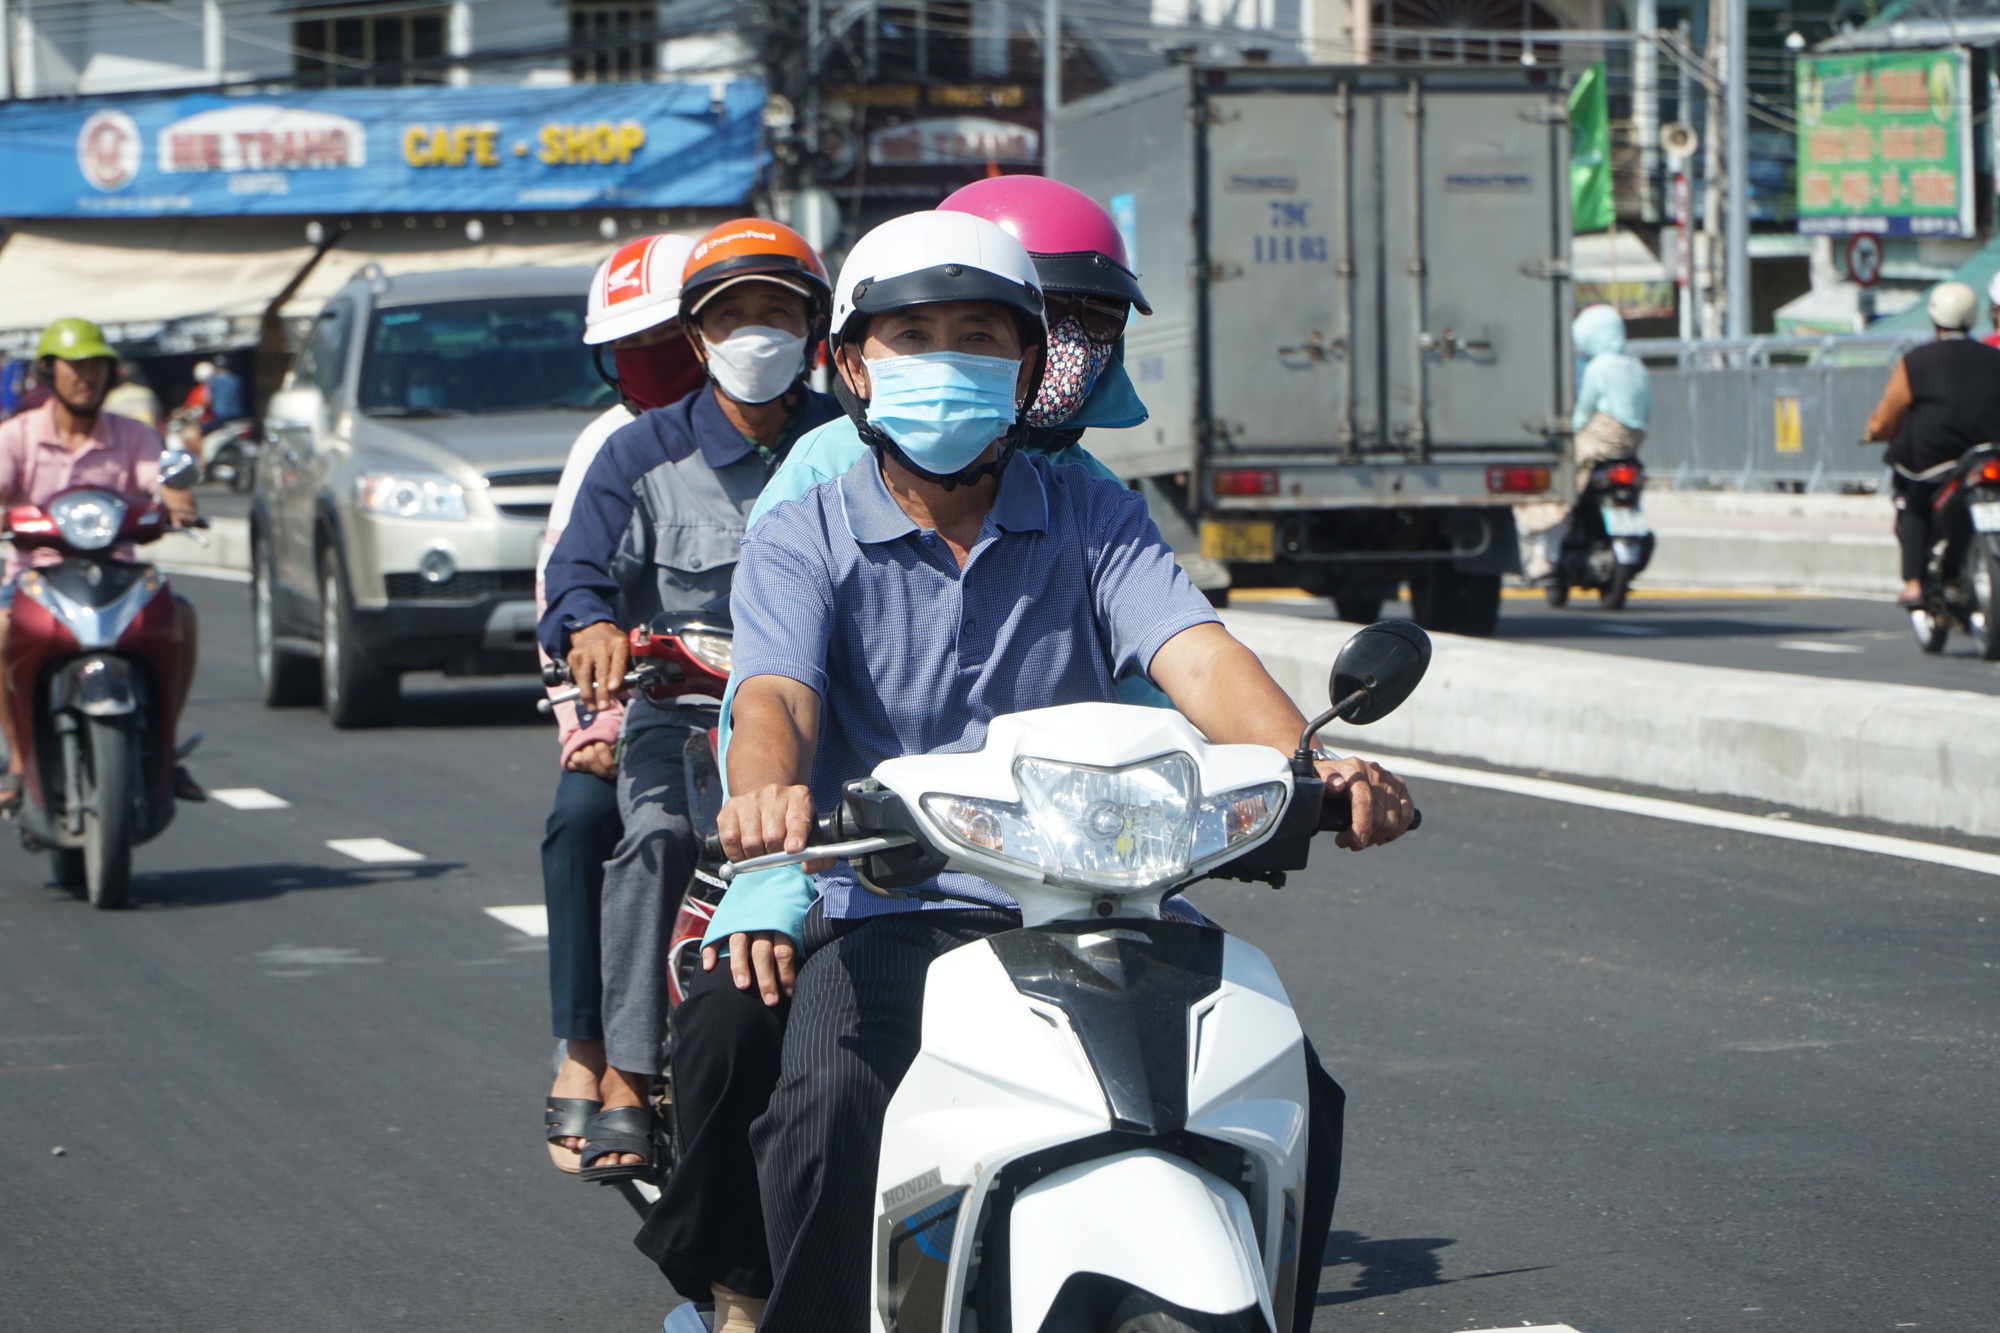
711	848
1336	812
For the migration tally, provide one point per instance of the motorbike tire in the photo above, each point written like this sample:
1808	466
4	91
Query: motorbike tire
1143	1312
1984	578
1611	597
1357	609
1931	627
353	689
107	814
1557	593
66	866
284	680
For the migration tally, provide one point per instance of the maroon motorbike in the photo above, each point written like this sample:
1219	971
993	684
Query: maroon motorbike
93	668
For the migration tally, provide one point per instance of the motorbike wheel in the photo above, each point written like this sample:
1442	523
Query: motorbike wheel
1931	625
1984	576
1612	595
1557	591
66	866
354	691
1445	601
1143	1312
107	815
284	680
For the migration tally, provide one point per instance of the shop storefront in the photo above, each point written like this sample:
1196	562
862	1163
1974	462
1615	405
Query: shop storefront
205	224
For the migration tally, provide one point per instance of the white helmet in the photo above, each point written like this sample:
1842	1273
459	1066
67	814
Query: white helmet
638	288
1952	305
1993	290
924	258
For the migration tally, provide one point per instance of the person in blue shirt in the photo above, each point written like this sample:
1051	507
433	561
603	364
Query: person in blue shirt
226	401
1614	403
946	578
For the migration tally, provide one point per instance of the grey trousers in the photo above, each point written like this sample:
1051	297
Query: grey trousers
643	884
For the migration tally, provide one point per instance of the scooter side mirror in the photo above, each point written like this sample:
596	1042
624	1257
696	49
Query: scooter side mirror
179	470
1383	662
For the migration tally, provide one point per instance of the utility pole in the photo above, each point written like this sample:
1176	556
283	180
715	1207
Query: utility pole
1051	76
214	48
6	53
1736	79
1646	105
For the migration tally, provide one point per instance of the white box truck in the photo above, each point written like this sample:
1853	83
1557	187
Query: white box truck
1359	359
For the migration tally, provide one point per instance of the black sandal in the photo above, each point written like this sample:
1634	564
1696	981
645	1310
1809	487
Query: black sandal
621	1129
10	790
567	1118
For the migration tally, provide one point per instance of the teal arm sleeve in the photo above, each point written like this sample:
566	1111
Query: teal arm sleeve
764	900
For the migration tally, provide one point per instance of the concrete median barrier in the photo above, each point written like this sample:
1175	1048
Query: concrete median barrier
1907	755
227	554
1831	545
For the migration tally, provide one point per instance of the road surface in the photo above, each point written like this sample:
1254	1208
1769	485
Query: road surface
1619	1073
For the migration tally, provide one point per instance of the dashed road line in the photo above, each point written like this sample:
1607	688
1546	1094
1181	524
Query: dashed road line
1909	849
373	850
1818	646
1536	1328
249	798
532	919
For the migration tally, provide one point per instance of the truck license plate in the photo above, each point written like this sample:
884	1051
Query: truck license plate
1986	517
1238	541
1622	522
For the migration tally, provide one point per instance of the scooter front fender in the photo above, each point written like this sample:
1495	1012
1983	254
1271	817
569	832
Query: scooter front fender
1143	1218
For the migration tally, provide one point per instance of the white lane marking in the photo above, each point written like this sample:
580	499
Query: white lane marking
530	920
249	798
1958	858
372	849
294	956
1536	1328
1815	646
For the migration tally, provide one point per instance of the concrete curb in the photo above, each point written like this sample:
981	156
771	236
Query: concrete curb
1835	545
1898	753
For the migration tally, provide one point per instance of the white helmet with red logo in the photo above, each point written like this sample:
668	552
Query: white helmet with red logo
638	288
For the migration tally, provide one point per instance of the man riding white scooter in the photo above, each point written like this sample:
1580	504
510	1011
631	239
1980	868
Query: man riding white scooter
727	1032
945	579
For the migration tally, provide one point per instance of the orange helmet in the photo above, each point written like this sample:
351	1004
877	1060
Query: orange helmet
754	249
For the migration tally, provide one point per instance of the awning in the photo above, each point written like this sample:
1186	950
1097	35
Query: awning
398	252
157	286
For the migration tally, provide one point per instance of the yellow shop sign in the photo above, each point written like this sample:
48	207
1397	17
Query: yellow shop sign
452	145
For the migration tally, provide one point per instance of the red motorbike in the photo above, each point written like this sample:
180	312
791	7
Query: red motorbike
680	661
93	669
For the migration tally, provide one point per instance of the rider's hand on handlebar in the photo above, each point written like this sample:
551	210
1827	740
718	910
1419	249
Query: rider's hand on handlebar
768	955
598	657
181	511
1380	803
769	820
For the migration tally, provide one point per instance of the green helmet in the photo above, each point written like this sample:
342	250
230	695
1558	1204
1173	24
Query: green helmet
73	340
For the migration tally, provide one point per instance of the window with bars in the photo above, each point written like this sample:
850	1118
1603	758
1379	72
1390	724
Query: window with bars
370	50
611	42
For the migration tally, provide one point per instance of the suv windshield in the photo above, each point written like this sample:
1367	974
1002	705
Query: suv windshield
505	354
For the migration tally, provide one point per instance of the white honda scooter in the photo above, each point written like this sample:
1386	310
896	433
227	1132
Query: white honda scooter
1105	1129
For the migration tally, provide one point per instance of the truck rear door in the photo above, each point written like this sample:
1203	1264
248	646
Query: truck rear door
1471	222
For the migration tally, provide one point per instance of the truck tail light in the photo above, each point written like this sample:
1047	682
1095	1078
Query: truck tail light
1516	480
1258	482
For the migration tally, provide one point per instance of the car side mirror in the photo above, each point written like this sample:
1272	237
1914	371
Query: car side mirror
1381	665
179	470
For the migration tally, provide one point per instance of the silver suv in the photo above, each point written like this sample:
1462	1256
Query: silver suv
408	464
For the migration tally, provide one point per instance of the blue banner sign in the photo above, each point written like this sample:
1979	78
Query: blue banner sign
378	150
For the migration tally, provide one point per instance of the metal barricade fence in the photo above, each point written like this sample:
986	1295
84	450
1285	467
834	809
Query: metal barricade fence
1767	413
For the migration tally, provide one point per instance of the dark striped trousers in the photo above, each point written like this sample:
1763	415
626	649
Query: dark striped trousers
856	1025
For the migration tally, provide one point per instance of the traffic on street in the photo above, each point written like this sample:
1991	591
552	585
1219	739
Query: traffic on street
958	667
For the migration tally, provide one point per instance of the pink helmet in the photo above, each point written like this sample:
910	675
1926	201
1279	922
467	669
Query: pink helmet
1075	244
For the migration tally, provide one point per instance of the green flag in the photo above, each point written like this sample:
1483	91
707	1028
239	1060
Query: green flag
1591	206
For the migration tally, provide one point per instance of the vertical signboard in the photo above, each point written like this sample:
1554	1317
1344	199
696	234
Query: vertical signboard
1885	143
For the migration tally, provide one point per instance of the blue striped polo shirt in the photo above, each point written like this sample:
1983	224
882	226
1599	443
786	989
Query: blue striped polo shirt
1068	587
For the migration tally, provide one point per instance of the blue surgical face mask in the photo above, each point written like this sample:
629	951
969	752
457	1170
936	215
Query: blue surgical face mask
942	408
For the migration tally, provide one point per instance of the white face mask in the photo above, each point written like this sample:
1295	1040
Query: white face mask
756	363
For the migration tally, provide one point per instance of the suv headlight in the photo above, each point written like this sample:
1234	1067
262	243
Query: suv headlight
1139	827
410	495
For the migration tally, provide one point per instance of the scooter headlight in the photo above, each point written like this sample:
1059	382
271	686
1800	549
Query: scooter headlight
717	652
88	521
